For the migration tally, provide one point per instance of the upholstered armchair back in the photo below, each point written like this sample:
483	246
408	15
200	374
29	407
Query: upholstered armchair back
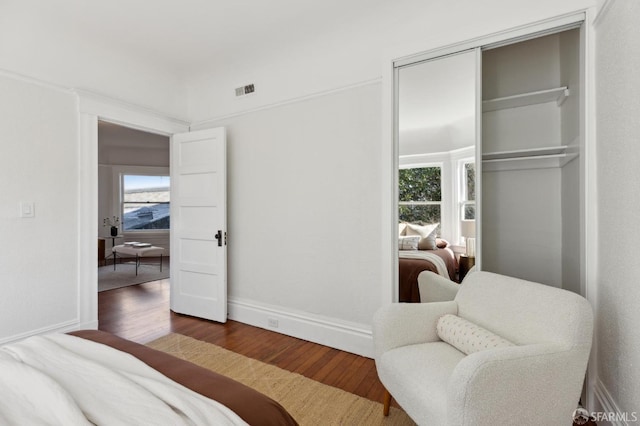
527	313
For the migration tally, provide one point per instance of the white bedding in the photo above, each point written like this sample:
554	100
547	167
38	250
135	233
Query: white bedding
60	379
426	255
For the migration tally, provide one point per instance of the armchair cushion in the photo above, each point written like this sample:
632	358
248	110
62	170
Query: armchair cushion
401	324
466	336
541	382
420	375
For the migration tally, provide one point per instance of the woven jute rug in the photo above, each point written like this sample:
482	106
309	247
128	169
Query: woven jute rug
308	401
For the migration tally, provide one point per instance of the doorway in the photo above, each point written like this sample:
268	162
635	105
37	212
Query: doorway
133	205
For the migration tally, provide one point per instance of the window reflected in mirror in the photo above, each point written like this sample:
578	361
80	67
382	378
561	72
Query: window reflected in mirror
436	127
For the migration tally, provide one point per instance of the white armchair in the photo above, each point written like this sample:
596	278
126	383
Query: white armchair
535	377
436	288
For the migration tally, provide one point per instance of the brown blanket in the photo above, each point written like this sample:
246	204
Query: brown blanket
252	406
409	269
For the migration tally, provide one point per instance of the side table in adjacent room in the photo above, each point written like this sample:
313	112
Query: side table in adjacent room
465	263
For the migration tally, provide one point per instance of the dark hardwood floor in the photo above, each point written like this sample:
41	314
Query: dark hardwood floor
141	313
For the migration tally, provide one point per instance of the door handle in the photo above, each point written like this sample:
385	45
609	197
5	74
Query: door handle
219	238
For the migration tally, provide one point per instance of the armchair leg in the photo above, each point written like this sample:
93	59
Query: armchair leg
387	403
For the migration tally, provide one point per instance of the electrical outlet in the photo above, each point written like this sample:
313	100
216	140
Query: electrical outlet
272	322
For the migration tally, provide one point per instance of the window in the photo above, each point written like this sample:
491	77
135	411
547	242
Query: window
145	202
468	199
420	194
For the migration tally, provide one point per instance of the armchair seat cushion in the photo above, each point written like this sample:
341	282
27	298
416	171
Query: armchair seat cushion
418	375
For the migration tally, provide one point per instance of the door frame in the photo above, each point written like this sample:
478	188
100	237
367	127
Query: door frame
91	109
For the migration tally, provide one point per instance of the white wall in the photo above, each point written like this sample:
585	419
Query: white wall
618	155
354	52
359	50
357	53
304	207
39	164
34	45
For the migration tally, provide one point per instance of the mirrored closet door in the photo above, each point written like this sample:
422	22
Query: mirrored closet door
491	165
436	133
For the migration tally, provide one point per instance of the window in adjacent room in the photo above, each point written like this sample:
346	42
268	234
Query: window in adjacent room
468	196
420	194
145	202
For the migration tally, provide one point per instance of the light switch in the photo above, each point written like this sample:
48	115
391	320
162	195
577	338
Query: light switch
27	209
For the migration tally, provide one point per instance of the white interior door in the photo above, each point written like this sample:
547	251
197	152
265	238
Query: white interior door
198	224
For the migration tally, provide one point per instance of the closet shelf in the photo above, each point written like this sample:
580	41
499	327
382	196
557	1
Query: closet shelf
534	158
558	94
529	152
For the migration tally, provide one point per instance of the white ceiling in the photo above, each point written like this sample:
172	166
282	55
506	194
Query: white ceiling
191	34
437	101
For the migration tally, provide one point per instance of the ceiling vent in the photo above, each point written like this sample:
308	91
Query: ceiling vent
245	90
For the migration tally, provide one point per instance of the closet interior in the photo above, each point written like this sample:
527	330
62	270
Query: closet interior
531	159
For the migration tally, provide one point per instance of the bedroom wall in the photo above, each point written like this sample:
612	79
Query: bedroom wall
303	213
35	45
618	132
359	53
39	164
353	53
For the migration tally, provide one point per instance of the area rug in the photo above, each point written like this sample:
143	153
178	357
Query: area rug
308	401
125	274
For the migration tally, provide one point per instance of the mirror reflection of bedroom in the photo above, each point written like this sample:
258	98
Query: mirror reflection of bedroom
133	207
436	132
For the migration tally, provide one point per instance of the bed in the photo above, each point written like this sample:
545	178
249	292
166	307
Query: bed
412	263
209	398
420	250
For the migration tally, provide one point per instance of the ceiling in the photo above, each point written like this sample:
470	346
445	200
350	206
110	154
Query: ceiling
437	101
191	34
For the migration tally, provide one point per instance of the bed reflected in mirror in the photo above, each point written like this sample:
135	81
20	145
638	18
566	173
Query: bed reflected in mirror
436	133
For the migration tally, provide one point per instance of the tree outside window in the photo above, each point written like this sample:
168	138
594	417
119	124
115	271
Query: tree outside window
420	195
469	191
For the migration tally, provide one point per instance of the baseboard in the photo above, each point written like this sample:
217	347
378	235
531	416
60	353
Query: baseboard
325	331
606	411
63	327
